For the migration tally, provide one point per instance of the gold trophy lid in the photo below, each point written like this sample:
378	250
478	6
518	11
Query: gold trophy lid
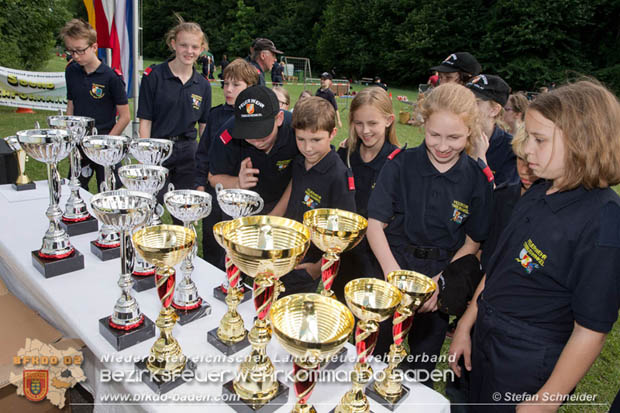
371	298
311	326
164	245
417	287
335	230
265	244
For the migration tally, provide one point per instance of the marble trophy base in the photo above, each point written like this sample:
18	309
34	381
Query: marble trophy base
187	316
80	227
105	254
161	386
143	282
219	294
24	187
51	268
240	406
228	349
336	360
121	339
390	405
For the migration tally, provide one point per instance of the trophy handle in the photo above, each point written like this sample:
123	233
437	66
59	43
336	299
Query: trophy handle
94	131
13	143
218	188
37	125
103	187
261	203
170	187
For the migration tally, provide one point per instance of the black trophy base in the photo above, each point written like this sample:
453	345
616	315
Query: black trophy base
228	349
105	254
51	268
80	227
219	294
143	282
24	187
390	405
121	339
240	406
187	316
160	386
336	360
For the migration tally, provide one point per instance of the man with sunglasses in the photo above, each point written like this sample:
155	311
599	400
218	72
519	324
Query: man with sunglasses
93	89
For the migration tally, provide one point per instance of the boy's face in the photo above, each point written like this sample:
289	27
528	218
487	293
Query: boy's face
81	51
325	83
449	77
266	144
544	147
314	145
232	88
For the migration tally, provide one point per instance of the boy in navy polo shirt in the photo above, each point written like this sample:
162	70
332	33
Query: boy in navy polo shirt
93	89
255	148
326	93
320	180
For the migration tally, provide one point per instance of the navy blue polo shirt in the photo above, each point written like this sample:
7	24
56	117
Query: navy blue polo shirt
501	159
558	260
325	185
328	95
427	208
217	117
261	73
173	107
365	173
226	154
95	94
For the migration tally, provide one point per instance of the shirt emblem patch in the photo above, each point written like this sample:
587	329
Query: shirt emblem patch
97	91
460	212
531	257
282	165
196	101
311	199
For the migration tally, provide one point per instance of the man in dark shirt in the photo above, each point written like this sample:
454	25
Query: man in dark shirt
263	57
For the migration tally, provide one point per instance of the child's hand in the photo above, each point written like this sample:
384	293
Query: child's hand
312	268
480	146
460	346
200	188
431	305
247	178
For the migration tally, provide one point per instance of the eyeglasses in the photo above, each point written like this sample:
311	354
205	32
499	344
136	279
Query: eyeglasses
78	52
282	104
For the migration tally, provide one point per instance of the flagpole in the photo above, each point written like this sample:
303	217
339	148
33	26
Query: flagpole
137	65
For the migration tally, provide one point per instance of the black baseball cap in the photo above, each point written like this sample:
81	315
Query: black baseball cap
490	87
261	44
459	62
255	113
326	75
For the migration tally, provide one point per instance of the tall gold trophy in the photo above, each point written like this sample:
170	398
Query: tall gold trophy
416	289
165	246
22	182
334	231
265	248
312	328
372	301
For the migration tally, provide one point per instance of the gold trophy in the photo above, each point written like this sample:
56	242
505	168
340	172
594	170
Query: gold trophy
416	289
334	231
265	248
165	246
22	182
312	328
372	301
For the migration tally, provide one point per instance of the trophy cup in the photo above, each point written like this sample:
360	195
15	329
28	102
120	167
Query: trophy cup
149	179
57	255
416	289
106	150
165	246
265	248
372	301
188	206
22	183
312	328
123	210
76	220
150	151
236	203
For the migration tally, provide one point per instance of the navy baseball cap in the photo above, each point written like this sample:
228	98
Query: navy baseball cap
490	87
459	62
326	75
255	113
265	44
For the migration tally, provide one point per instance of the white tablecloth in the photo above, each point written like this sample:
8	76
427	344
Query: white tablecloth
74	303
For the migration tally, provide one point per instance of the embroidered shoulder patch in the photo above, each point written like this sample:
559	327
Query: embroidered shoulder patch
148	71
118	72
225	137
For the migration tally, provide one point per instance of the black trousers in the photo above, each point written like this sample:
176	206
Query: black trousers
182	169
212	252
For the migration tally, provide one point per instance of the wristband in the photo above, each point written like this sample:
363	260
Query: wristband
486	170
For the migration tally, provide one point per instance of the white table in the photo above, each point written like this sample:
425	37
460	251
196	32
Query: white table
74	303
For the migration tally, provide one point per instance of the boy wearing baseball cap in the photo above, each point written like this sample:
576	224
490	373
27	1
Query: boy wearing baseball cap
326	93
459	67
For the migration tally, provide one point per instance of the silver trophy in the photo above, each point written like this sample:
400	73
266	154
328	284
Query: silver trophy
78	127
124	210
188	206
50	146
151	151
106	150
149	179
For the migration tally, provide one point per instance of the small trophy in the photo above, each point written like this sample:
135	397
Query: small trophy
265	248
236	203
57	255
106	150
76	219
165	246
123	210
312	328
149	179
22	183
188	206
416	289
372	301
151	151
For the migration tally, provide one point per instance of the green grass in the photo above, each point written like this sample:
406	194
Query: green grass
601	380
